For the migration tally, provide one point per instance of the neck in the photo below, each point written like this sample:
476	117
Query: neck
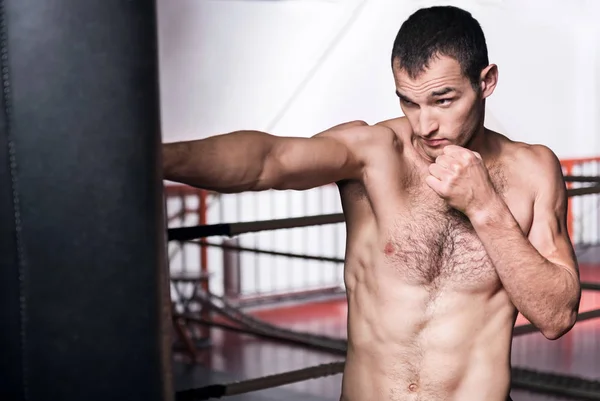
477	142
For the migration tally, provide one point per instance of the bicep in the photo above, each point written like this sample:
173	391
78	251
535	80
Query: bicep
549	233
340	153
303	163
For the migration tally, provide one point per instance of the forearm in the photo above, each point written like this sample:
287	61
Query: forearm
546	293
225	163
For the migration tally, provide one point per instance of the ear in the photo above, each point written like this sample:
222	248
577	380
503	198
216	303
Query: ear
488	80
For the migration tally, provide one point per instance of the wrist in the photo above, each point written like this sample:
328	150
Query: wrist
489	212
172	156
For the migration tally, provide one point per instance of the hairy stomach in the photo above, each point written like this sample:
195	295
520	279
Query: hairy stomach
408	342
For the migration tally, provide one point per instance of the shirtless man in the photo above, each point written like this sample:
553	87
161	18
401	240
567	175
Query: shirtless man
451	228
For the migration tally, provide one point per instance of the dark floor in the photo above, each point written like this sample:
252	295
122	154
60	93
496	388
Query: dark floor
243	356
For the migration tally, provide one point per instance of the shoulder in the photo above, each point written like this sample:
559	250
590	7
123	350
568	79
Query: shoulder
537	165
362	137
536	159
542	157
357	130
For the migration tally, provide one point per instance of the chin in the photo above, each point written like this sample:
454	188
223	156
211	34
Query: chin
434	153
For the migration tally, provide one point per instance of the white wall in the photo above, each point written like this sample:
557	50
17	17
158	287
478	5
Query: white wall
297	67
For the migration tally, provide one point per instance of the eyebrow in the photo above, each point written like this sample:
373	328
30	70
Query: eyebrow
401	96
443	91
437	93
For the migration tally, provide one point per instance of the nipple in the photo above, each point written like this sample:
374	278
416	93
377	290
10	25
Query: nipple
389	249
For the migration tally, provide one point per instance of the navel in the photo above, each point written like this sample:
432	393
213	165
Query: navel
412	387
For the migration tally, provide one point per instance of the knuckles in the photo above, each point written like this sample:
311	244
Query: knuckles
452	165
457	168
446	188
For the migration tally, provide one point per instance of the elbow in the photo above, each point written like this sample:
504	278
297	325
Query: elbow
563	318
560	324
269	176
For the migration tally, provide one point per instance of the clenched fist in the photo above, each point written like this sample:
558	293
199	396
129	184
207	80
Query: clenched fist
460	177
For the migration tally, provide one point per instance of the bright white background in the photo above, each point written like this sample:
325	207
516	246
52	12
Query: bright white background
297	67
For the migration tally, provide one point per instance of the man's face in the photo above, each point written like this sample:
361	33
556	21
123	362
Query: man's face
441	105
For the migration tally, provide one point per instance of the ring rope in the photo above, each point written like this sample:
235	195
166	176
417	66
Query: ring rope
251	321
261	383
590	286
233	229
313	341
241	318
579	178
260	334
551	383
267	252
589	190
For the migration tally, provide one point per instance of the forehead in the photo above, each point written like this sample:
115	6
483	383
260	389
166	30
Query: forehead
441	72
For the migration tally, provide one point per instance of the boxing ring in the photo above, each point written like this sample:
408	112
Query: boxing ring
231	309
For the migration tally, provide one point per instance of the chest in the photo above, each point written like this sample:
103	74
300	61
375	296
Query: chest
428	242
437	247
422	240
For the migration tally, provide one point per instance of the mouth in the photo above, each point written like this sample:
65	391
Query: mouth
435	142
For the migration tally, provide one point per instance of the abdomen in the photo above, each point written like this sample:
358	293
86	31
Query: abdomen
406	343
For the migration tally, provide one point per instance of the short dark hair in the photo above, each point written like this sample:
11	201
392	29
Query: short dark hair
441	31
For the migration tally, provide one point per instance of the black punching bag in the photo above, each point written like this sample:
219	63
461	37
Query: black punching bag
83	280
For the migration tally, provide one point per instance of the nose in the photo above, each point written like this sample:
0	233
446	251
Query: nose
427	124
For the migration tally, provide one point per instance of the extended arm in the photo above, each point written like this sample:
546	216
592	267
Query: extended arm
539	272
255	161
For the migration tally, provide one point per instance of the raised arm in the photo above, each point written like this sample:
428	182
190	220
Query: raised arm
539	272
255	161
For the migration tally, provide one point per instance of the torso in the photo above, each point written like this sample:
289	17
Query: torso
428	318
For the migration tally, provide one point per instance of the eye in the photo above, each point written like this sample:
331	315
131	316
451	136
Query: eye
406	102
444	102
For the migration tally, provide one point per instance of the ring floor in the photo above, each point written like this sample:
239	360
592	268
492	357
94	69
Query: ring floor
234	356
